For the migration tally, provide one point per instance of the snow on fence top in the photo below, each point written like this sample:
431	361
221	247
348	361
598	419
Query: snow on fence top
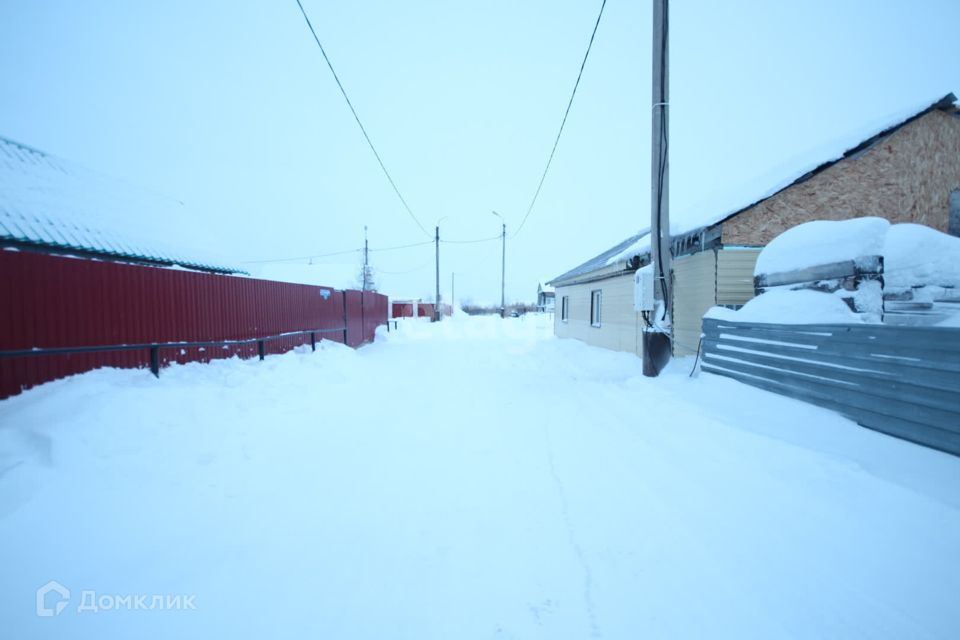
790	307
822	242
51	203
913	255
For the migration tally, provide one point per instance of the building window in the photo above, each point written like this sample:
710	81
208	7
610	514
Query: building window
595	308
565	308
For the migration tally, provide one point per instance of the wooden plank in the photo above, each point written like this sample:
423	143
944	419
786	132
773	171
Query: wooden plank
868	265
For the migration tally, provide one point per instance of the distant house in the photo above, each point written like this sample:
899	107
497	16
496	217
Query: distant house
905	171
545	299
50	205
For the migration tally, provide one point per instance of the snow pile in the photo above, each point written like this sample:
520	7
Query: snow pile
450	482
790	307
916	255
822	242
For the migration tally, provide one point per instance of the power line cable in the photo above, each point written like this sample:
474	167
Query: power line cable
403	246
406	271
357	118
496	237
563	122
310	257
336	253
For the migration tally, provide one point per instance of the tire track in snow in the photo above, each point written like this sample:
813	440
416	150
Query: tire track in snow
571	534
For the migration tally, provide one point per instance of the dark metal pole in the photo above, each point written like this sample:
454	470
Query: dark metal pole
657	338
155	360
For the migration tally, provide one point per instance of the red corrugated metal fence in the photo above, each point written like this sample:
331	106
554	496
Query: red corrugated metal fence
54	301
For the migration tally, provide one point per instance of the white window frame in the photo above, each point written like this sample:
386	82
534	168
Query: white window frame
565	309
596	302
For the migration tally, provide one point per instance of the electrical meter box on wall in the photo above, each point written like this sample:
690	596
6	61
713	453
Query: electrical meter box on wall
643	289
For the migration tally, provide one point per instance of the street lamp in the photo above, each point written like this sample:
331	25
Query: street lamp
503	265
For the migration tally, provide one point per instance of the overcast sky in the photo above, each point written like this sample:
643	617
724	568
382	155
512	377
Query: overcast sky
229	107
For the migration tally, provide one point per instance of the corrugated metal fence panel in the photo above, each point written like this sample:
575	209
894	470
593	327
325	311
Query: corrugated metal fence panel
56	301
694	292
354	304
735	275
903	381
375	307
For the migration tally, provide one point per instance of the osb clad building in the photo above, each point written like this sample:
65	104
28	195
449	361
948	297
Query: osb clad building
906	171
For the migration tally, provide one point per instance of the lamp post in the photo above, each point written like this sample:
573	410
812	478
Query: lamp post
503	265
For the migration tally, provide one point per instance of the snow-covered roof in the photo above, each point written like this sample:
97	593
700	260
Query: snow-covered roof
49	203
802	167
605	259
798	169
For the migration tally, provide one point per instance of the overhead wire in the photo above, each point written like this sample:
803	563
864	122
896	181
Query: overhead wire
563	123
310	257
496	237
337	253
402	246
356	117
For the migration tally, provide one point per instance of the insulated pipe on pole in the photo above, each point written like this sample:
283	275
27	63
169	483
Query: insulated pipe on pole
657	337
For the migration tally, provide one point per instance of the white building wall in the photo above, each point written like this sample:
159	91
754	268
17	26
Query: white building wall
620	326
700	281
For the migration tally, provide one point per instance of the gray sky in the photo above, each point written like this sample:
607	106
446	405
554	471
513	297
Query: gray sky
229	107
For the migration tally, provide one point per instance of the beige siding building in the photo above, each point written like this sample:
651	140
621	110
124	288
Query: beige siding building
909	172
618	326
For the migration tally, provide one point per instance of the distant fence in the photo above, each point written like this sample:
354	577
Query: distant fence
903	381
60	316
404	309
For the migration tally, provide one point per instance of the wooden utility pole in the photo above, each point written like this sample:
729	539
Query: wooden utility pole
366	262
503	265
436	297
657	337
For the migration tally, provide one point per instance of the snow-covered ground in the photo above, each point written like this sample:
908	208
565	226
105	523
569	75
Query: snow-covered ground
473	479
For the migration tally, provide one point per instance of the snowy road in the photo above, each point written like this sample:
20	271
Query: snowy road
477	479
